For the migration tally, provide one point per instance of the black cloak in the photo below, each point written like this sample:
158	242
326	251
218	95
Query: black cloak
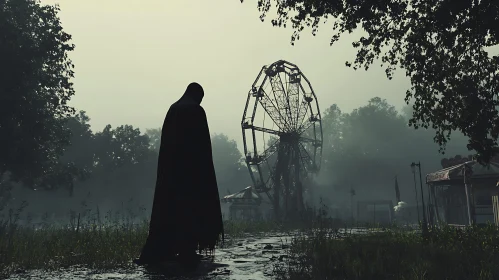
186	214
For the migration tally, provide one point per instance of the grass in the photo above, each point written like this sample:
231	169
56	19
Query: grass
84	240
239	229
324	249
394	253
89	239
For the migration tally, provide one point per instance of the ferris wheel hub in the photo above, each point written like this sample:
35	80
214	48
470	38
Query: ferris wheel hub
290	137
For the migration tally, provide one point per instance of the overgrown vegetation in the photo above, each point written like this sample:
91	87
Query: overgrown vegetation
91	239
441	45
324	248
394	253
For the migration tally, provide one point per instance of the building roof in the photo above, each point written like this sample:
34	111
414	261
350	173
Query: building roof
247	195
456	172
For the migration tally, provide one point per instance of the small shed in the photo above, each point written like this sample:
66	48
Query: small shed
245	204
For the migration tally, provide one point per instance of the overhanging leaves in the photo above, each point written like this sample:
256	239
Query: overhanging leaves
440	45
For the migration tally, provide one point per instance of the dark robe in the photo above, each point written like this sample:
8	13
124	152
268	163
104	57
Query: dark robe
186	214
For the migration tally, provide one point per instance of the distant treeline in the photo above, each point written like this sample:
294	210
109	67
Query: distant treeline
364	150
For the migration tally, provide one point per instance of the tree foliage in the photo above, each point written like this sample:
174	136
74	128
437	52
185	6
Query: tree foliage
438	43
80	149
35	87
369	146
154	138
124	145
97	154
232	174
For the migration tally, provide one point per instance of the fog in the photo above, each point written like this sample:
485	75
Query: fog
133	59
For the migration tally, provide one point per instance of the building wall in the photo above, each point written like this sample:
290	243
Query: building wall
483	193
484	207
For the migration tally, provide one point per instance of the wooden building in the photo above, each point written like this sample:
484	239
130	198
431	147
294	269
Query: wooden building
464	194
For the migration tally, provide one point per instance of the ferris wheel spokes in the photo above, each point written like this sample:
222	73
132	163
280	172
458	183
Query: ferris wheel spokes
270	108
294	100
309	122
280	96
259	158
246	125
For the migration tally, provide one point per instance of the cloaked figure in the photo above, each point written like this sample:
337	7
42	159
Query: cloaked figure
186	215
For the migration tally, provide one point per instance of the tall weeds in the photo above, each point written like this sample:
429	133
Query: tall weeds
394	253
88	238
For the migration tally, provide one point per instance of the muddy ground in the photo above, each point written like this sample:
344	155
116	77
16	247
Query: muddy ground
252	257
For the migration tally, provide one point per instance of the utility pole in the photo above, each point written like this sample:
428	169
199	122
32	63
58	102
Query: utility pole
425	225
467	172
352	193
415	191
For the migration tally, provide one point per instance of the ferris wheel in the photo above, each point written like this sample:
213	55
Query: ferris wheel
282	135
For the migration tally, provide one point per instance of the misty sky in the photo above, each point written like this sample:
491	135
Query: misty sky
134	58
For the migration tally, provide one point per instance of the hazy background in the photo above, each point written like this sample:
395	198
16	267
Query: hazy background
134	58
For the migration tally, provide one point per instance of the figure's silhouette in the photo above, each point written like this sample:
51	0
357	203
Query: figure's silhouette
186	214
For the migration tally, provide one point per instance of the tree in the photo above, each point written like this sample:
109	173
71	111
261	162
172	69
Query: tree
123	165
81	148
154	138
104	146
35	87
77	160
132	145
332	123
375	144
373	140
379	121
124	145
232	175
440	45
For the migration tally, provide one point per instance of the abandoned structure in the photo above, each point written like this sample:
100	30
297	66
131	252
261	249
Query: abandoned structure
464	194
282	136
245	204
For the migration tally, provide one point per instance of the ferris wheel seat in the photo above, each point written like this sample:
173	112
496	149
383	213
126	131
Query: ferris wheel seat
254	160
270	72
295	78
257	92
246	125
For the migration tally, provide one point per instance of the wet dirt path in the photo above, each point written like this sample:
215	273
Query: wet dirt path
252	257
248	258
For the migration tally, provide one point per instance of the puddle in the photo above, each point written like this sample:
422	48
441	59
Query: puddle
250	260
